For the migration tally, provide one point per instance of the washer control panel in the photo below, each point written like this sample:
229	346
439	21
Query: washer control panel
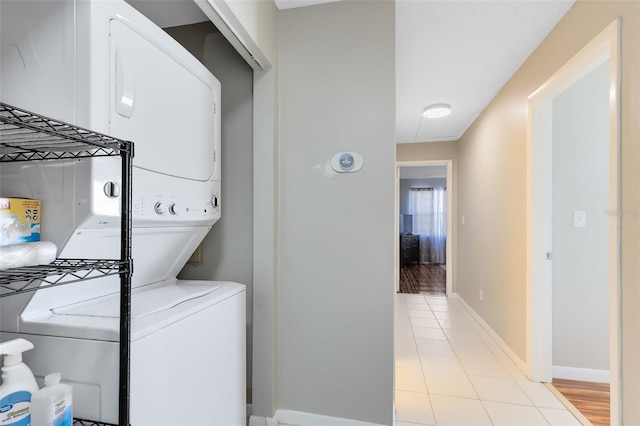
158	207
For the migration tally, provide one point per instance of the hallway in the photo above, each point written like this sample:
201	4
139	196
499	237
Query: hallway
450	372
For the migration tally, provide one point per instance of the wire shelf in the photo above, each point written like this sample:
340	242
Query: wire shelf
83	422
25	136
60	272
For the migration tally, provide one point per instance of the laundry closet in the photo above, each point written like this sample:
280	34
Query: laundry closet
106	67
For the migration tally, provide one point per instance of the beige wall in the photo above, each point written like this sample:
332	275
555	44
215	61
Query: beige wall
430	151
427	151
492	188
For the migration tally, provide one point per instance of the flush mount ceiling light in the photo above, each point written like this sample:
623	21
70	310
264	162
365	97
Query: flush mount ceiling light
437	111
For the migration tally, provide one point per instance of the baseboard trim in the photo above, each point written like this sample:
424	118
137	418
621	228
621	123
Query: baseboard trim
490	331
581	374
261	421
299	418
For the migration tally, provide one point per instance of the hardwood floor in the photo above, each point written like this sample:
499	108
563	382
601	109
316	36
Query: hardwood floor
591	399
423	278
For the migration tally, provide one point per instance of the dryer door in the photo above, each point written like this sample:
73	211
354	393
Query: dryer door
163	100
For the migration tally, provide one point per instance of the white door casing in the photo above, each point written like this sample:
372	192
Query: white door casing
539	213
450	236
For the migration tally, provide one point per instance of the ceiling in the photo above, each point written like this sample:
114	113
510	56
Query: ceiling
459	52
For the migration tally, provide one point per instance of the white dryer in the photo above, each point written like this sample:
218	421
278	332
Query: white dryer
104	66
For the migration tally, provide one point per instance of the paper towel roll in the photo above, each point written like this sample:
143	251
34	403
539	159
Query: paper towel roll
27	254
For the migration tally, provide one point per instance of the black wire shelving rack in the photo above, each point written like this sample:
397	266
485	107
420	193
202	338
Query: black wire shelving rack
83	422
25	136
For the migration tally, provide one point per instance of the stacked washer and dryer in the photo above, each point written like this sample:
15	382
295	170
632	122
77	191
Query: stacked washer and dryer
103	66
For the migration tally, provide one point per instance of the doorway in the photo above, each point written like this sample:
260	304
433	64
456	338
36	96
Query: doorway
573	228
424	261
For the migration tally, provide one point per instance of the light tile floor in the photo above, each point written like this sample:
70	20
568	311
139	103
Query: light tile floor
449	371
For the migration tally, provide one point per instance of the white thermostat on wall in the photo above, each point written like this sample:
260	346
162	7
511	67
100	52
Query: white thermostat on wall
346	162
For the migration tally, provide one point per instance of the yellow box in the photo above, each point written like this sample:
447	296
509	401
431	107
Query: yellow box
19	220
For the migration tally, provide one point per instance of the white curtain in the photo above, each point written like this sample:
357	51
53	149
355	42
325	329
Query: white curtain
429	210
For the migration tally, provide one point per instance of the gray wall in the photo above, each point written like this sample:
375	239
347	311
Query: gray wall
336	232
227	251
407	184
581	255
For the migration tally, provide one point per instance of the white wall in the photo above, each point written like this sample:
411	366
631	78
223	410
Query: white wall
336	231
581	255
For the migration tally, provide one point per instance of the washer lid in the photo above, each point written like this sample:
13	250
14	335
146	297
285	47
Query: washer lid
147	301
154	307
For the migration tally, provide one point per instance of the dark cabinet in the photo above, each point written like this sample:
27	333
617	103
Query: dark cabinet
409	249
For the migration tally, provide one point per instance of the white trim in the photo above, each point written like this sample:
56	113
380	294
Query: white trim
491	332
265	193
221	15
539	202
450	237
582	374
299	418
262	421
265	243
396	244
604	45
258	421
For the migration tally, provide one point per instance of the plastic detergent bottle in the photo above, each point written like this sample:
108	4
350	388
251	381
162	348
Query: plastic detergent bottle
18	384
51	405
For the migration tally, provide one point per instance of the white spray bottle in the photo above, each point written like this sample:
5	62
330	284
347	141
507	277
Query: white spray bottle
18	384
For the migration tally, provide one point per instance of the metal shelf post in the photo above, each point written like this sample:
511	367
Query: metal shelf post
25	136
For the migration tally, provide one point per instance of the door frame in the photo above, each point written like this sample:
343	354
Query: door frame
605	45
450	236
231	24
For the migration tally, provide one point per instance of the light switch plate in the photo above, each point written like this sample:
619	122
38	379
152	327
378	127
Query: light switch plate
579	219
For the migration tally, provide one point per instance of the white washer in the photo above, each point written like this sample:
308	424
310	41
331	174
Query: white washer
187	353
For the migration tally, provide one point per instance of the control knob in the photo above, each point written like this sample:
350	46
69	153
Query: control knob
159	208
